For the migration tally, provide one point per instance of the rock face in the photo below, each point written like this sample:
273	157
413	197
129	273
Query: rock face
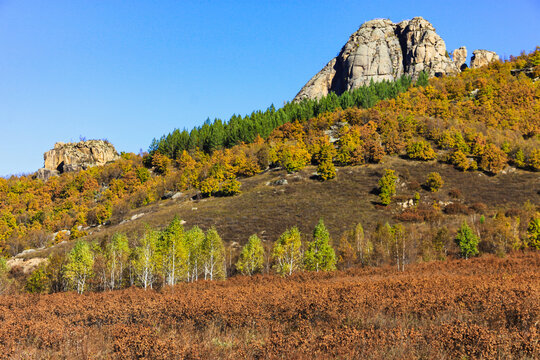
76	156
460	58
423	49
382	50
482	58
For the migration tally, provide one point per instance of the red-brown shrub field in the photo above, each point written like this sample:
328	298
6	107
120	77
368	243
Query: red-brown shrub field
485	308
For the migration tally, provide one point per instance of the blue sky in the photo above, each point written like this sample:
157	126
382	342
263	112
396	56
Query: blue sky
130	71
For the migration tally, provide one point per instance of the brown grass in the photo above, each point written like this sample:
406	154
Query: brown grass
480	308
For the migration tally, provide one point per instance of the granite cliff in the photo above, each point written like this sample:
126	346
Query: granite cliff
383	50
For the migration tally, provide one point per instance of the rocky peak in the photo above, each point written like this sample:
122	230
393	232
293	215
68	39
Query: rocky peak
382	50
372	53
66	157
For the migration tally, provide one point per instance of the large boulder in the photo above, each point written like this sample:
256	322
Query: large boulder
65	157
382	50
460	57
482	58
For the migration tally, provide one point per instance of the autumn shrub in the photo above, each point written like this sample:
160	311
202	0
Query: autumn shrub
209	186
161	163
410	215
534	160
456	208
230	187
387	186
434	181
533	233
420	150
455	194
326	170
460	160
292	156
493	159
38	281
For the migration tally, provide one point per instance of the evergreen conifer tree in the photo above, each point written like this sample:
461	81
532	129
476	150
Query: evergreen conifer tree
319	254
467	241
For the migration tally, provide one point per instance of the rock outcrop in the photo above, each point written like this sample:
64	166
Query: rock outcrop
65	157
460	58
423	49
382	50
482	58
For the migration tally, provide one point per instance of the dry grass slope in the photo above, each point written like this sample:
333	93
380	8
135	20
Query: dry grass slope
341	202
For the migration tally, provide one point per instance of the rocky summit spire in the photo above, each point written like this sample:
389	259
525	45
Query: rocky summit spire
382	50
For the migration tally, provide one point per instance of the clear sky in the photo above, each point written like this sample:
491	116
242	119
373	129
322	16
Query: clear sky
130	71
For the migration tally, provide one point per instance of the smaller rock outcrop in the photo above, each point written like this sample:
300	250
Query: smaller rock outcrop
482	58
65	157
460	58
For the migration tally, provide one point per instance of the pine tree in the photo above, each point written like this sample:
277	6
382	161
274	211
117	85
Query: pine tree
319	254
286	252
79	265
251	258
467	241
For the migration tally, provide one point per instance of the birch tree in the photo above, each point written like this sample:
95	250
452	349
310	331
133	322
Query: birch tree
213	255
173	253
286	252
399	239
364	247
145	259
192	243
116	254
79	265
251	258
